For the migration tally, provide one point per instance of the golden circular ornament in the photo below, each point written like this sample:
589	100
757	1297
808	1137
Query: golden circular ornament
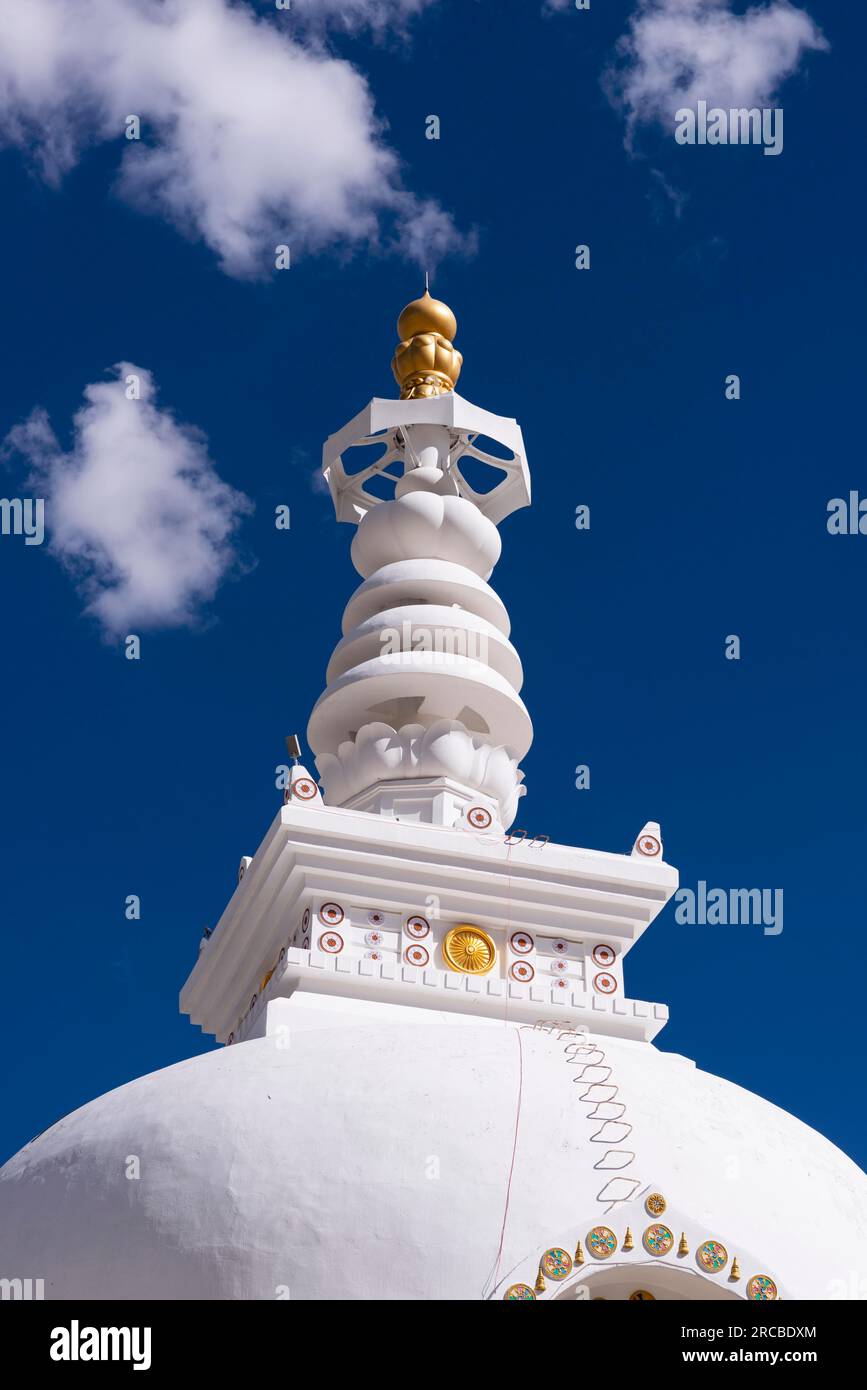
556	1264
658	1239
640	1295
469	950
762	1288
712	1256
655	1204
521	1292
601	1242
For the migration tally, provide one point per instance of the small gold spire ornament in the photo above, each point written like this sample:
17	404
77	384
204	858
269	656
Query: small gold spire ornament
627	1239
425	361
540	1283
736	1269
683	1248
579	1255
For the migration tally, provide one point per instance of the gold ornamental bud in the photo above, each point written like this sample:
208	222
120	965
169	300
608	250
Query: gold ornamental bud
425	362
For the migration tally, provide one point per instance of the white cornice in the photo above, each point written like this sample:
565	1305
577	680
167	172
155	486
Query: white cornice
321	853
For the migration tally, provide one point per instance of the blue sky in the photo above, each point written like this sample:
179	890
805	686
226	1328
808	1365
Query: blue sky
708	517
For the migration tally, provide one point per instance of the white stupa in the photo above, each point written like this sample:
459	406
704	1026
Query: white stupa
434	1084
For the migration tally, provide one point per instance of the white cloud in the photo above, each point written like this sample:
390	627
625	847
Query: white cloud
664	196
377	15
252	134
135	510
680	51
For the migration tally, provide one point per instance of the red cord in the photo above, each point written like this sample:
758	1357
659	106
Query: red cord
514	1152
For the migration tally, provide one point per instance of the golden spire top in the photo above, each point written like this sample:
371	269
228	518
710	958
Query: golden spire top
425	362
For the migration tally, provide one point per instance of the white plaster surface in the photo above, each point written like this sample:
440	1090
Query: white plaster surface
370	1159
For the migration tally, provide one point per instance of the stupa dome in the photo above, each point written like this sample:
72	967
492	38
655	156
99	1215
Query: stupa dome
372	1160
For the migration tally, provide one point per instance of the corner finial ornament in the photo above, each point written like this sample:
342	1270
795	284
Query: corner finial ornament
425	361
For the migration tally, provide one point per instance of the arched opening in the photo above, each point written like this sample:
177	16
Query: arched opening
638	1279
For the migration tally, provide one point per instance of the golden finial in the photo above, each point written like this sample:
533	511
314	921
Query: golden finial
736	1269
627	1239
425	362
683	1248
540	1283
579	1255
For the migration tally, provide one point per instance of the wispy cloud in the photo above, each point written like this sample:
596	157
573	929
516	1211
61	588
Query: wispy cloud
351	15
135	510
664	197
677	52
253	133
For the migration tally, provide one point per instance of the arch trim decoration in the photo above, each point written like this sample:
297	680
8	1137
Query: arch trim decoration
672	1274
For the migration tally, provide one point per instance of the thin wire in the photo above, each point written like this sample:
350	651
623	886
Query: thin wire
496	1273
493	1278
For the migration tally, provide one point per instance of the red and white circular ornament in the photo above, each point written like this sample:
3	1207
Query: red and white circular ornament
331	942
604	955
303	789
521	943
604	983
649	845
416	955
479	817
417	927
522	971
374	938
331	914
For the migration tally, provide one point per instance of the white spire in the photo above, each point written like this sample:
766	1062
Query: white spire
421	717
